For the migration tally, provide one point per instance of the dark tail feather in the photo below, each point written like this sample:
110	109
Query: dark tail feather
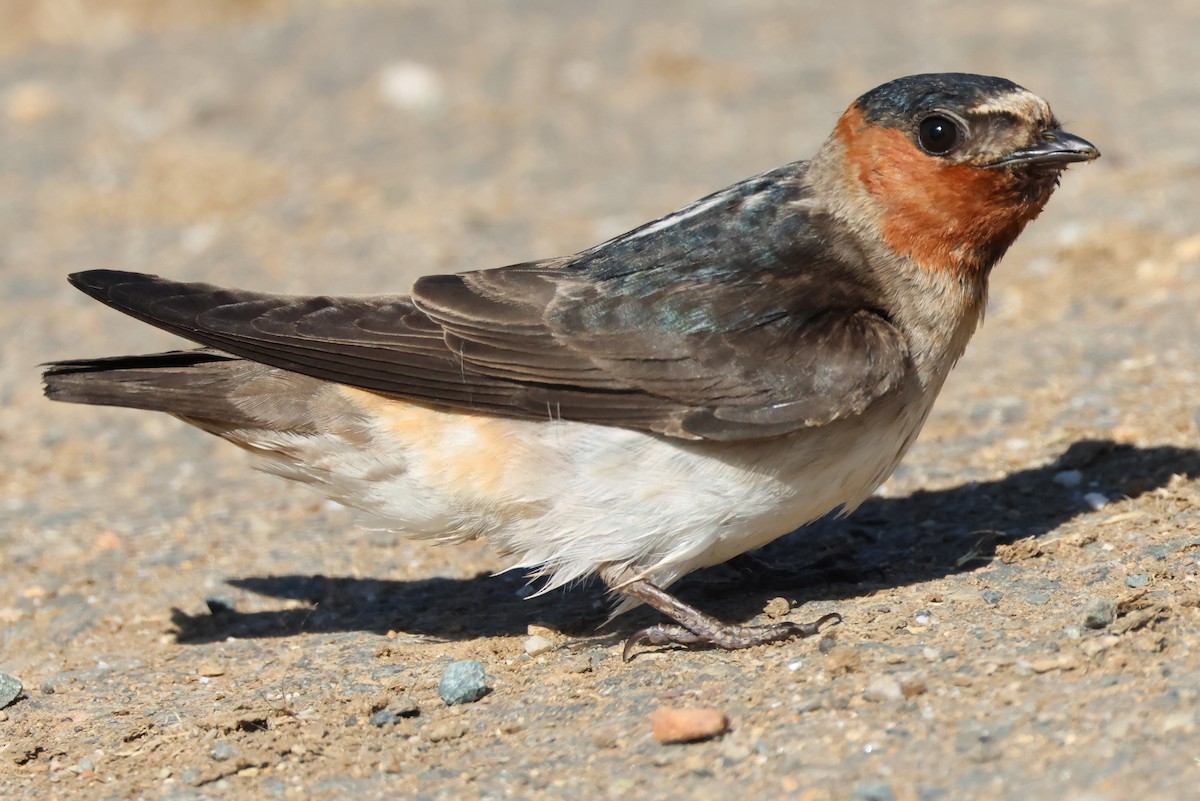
193	384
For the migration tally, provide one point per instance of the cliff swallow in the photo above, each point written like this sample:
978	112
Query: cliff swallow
665	401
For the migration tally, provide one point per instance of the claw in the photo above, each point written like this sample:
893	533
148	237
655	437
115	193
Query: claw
729	638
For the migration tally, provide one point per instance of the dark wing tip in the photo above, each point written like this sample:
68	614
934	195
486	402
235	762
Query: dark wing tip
97	283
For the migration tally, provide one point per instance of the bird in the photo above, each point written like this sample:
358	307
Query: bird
665	401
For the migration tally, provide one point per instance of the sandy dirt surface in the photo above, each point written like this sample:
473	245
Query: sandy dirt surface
1021	601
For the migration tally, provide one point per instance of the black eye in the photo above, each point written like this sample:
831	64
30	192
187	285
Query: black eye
938	135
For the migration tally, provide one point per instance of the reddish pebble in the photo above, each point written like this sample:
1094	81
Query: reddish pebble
687	725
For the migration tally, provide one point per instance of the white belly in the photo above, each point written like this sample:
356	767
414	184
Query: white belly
571	499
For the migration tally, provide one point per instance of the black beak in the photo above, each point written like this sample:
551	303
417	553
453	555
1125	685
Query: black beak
1055	148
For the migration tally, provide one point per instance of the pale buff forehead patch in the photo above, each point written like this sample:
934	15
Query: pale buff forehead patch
1021	102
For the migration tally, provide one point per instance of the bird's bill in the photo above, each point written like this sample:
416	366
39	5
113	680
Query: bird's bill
1055	147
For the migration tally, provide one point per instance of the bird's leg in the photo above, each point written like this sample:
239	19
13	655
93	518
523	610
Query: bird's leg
694	626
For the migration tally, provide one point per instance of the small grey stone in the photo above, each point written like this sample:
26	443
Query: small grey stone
464	682
992	597
191	777
384	717
1038	598
1099	613
874	791
86	764
1068	478
223	752
10	689
1137	581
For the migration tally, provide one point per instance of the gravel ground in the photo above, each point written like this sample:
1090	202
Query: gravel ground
1021	601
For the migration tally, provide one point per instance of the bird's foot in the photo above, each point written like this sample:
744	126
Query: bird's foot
697	628
729	638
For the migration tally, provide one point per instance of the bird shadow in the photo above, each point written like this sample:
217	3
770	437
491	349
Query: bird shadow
888	542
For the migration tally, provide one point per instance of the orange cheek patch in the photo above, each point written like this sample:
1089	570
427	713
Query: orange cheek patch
943	216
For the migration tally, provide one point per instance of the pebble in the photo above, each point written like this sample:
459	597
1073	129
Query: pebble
883	688
777	608
672	725
874	791
1052	663
384	717
1178	722
992	597
1096	500
538	645
223	752
607	737
1099	613
446	730
464	682
10	689
1137	581
580	663
411	86
912	685
843	661
1068	478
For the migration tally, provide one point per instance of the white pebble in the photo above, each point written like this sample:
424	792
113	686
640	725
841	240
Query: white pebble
537	645
410	86
1096	500
1069	478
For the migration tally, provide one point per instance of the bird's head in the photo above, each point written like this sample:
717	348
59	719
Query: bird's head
952	166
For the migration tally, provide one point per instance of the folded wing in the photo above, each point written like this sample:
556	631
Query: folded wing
726	320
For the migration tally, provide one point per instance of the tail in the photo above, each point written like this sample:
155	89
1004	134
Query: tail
194	384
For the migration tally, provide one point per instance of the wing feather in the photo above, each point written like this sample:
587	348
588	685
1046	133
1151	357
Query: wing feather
728	320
